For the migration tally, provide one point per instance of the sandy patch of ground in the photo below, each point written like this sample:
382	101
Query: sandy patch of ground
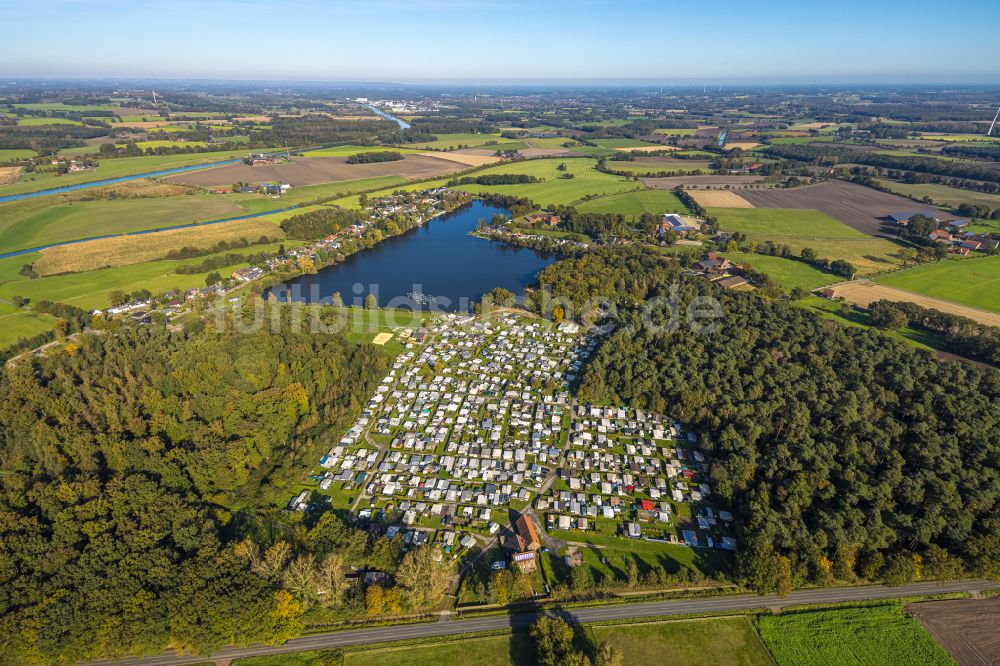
9	175
742	145
464	158
719	199
382	338
301	171
646	149
863	293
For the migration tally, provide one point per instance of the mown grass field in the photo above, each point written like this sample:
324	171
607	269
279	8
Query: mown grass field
788	273
451	141
686	642
675	131
973	282
125	250
635	203
343	151
951	196
828	309
17	323
664	164
875	635
42	221
672	557
115	168
491	651
799	228
548	141
621	143
90	290
38	122
12	154
256	203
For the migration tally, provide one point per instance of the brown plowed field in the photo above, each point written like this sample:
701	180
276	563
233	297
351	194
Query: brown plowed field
857	206
315	170
700	181
969	629
863	293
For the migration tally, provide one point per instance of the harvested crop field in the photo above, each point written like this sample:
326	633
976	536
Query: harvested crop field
466	158
966	628
138	248
741	145
863	293
313	171
857	206
9	175
719	199
693	182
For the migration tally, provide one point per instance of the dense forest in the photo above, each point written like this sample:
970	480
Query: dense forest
845	454
138	473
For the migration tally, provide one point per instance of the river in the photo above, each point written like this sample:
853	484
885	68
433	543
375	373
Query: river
439	259
403	125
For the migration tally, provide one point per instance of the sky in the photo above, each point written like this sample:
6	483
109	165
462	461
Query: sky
628	41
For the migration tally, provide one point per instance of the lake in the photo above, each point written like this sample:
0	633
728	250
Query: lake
439	259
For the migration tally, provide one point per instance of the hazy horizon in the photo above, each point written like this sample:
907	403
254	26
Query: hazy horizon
637	42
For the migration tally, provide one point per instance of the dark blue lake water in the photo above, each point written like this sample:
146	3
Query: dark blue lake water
439	260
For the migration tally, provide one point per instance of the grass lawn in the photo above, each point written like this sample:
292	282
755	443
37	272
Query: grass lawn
548	141
831	310
789	273
491	651
41	221
799	228
880	634
17	323
309	658
453	141
973	282
709	641
950	196
114	168
255	203
173	144
635	203
12	154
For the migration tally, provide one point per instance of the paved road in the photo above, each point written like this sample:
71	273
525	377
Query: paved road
591	614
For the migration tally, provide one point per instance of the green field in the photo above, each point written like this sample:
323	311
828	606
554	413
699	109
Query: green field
548	141
919	338
621	143
90	290
788	273
675	131
973	282
950	196
874	635
492	651
615	549
451	141
686	642
42	221
635	203
587	181
344	151
17	323
174	144
13	154
660	164
38	122
799	228
59	106
114	168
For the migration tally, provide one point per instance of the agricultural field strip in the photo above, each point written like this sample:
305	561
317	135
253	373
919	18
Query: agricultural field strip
863	293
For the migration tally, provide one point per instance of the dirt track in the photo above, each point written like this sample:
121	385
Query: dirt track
857	206
969	629
862	292
315	170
